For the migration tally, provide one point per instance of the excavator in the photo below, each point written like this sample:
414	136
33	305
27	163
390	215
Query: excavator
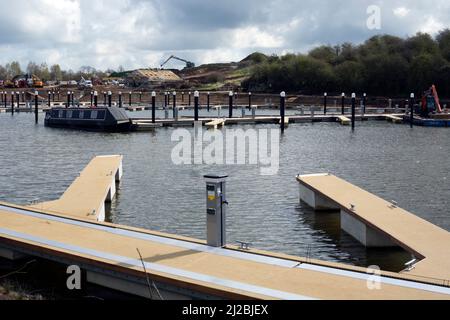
189	64
430	102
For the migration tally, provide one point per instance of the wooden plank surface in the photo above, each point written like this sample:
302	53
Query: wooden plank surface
418	236
86	196
291	280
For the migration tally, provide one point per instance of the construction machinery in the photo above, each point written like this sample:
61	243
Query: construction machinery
189	64
430	102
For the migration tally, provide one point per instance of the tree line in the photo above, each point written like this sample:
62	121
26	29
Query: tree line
51	73
382	65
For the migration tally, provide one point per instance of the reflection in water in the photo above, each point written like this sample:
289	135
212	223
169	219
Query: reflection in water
392	161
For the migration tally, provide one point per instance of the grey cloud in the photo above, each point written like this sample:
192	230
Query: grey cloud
138	33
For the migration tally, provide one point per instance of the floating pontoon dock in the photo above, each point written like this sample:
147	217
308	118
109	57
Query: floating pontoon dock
378	223
184	268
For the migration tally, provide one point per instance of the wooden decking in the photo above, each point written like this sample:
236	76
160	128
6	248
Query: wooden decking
86	196
64	230
344	120
214	124
191	264
425	240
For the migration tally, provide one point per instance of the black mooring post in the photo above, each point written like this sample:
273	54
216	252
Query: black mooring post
189	104
353	110
12	103
120	100
95	99
18	101
68	99
343	103
325	96
364	103
72	98
129	98
92	99
249	101
411	110
196	96
282	110
153	106
207	102
109	99
165	100
36	117
6	98
230	104
140	96
53	96
49	98
174	106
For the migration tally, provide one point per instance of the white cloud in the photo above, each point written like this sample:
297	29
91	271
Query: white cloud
401	12
253	37
431	25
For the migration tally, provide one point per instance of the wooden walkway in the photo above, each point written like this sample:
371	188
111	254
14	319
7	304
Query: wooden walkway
86	196
184	267
426	241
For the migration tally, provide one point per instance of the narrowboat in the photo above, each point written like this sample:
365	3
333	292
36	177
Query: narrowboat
110	119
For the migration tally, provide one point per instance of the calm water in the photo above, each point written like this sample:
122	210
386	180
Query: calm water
392	161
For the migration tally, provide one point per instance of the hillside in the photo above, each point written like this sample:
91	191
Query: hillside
221	76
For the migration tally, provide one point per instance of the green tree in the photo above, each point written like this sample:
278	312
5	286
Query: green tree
13	69
443	39
56	72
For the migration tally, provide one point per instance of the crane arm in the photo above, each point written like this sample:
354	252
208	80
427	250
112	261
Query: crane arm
188	63
436	98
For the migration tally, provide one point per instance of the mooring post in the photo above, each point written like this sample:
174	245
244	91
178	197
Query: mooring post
109	99
364	104
353	110
53	96
249	101
5	101
12	103
174	104
140	96
207	102
411	110
36	117
325	95
189	104
153	106
68	99
129	98
49	97
95	99
282	109
73	100
92	99
343	103
196	98
18	100
230	104
120	100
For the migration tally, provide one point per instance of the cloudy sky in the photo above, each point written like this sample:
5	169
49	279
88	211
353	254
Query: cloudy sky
142	33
